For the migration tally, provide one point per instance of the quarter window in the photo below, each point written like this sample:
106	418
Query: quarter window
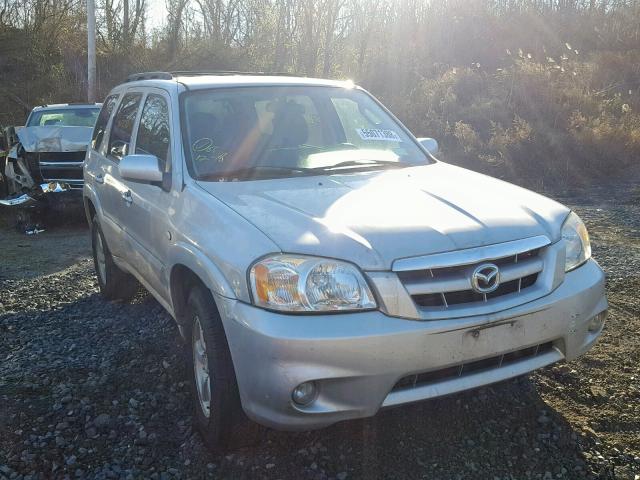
123	126
103	119
153	133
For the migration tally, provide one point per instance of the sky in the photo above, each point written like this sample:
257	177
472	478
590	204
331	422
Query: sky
156	13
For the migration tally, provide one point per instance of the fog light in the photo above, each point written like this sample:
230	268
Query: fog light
305	393
596	323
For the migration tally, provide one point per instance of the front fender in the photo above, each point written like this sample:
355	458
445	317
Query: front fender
190	257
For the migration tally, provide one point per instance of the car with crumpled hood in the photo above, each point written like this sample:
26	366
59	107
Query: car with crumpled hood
45	156
320	262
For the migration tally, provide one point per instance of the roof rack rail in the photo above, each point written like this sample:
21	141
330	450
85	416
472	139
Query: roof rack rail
134	77
188	73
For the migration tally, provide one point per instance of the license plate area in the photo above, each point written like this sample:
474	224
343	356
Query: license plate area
493	338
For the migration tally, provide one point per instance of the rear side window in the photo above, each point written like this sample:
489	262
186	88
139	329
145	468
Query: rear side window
123	126
153	133
103	119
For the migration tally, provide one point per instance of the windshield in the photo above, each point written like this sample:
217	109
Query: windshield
266	132
64	117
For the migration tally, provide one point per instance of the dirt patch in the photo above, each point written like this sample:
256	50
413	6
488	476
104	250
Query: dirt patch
31	256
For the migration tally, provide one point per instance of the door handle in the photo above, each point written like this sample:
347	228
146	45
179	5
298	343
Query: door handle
100	178
126	196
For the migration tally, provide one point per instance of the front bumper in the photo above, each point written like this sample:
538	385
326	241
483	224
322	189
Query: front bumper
45	190
356	359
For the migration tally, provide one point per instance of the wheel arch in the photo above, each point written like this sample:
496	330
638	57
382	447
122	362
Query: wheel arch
190	267
91	203
182	279
89	209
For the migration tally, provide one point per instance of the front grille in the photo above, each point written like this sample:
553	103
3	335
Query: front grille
65	167
446	286
463	369
62	174
61	156
443	299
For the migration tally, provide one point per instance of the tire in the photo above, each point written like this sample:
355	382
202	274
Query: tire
25	219
223	425
114	283
4	181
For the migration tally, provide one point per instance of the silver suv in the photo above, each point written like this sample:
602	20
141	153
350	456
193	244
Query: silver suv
320	263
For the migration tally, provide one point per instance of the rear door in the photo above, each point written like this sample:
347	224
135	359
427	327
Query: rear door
98	168
115	198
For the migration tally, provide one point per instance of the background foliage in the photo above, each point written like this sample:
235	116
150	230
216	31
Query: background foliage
543	92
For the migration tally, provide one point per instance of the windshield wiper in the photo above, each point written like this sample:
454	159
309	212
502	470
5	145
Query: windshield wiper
274	171
255	171
362	164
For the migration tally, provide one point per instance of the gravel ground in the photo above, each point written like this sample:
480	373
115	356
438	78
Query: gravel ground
90	389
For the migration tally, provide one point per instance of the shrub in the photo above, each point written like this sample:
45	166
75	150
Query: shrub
544	124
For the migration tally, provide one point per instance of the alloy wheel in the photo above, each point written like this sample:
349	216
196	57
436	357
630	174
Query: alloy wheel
201	367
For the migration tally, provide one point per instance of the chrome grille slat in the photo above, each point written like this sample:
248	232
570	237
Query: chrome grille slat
435	286
471	255
444	299
519	279
61	164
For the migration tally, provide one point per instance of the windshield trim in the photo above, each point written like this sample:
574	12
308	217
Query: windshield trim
430	159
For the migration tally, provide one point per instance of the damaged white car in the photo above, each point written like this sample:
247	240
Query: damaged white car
44	157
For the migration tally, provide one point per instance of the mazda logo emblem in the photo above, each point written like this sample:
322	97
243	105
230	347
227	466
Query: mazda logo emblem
485	278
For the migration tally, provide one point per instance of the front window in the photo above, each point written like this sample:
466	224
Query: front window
266	132
153	132
64	117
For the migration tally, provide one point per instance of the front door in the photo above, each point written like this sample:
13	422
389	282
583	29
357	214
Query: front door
148	223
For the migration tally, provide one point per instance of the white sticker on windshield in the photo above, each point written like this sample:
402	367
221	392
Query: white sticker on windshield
380	134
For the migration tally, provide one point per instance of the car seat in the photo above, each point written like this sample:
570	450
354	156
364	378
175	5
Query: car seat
290	132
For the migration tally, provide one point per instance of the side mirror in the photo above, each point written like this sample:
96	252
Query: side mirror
140	168
431	144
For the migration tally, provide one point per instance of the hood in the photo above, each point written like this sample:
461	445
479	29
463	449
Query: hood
54	138
374	218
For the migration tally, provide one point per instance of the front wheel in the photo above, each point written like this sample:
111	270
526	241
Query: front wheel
4	180
114	283
218	413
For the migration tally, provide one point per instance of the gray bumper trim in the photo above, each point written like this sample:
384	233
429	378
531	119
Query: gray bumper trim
475	380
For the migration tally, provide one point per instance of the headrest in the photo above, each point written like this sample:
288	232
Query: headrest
285	108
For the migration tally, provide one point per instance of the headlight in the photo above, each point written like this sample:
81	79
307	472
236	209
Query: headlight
576	239
307	284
